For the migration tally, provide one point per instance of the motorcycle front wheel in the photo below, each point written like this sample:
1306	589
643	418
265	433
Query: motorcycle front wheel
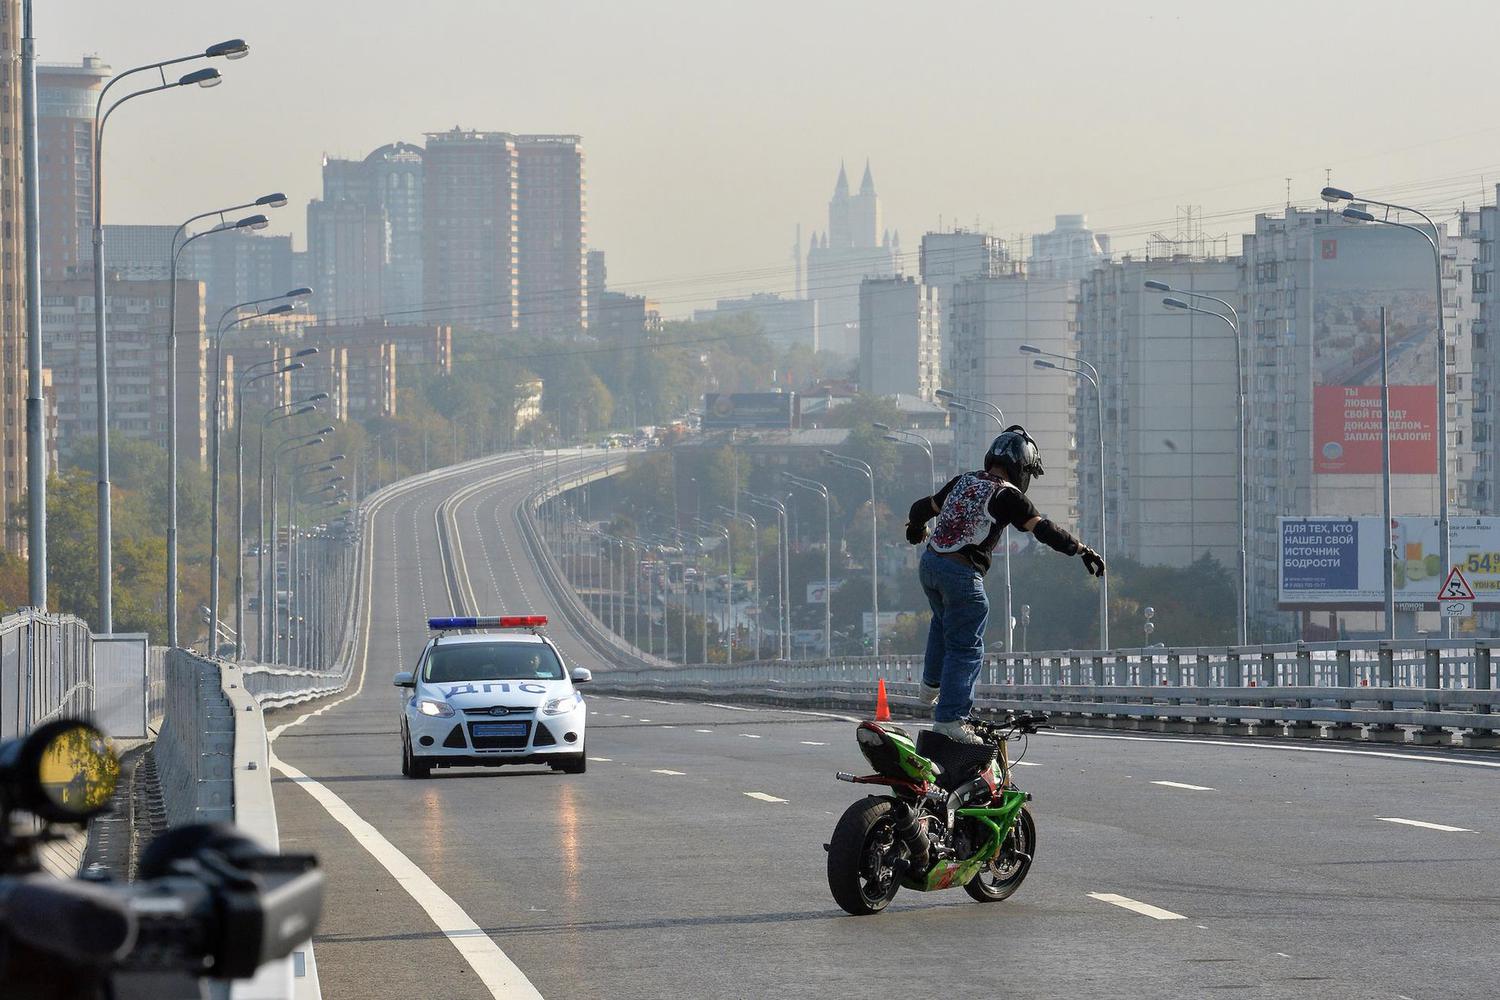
862	857
1003	876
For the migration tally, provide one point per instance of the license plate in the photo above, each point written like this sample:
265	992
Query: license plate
499	729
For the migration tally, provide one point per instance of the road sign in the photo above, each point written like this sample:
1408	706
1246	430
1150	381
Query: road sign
1455	589
1457	609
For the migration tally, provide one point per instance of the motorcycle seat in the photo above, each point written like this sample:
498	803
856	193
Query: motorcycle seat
956	762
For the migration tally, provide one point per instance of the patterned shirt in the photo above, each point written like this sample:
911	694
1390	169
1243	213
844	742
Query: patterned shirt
973	510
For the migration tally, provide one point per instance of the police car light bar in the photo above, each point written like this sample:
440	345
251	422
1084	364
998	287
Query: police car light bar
487	621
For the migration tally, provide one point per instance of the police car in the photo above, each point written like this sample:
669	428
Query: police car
482	699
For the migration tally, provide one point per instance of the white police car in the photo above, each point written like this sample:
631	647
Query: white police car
481	699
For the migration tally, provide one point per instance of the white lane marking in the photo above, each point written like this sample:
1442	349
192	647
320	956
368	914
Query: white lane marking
657	701
1136	906
1282	954
813	743
1425	826
1180	784
1026	763
763	797
602	760
624	716
663	770
662	727
750	736
1418	758
732	708
642	720
497	972
702	730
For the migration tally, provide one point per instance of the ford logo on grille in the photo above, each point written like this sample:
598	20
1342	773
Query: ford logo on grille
499	710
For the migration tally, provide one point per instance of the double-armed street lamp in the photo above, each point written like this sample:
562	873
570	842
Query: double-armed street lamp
285	448
864	469
1089	374
982	407
1182	299
729	625
749	519
897	435
248	224
783	572
208	77
274	414
1333	195
821	489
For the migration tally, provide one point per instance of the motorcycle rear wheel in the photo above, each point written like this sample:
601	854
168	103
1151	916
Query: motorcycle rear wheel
862	856
1003	876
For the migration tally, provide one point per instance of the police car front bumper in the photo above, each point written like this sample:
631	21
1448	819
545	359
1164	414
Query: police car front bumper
483	739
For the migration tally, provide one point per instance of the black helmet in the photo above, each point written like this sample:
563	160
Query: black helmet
1017	454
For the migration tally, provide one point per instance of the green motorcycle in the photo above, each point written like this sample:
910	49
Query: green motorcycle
953	817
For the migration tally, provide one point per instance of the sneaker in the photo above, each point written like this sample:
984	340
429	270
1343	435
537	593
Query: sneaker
929	695
959	732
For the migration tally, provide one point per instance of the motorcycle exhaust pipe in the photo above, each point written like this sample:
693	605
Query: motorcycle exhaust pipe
910	832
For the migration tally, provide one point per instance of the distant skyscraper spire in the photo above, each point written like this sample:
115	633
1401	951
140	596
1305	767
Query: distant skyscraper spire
867	184
841	186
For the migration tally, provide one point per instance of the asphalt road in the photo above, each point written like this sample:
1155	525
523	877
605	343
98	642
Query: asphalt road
667	871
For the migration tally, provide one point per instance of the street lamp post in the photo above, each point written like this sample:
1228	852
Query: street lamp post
1332	194
760	635
286	447
201	78
253	222
821	489
1089	374
783	572
855	465
1233	322
729	629
973	405
271	416
901	436
224	326
242	380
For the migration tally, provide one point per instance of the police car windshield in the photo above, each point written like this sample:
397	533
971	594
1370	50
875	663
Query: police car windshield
492	661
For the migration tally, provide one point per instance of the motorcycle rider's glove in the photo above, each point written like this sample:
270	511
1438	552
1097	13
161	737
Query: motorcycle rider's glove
1092	561
916	534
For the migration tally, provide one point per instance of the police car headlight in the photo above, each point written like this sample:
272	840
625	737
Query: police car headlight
560	706
440	709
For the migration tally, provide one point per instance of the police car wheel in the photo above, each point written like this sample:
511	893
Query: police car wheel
411	767
573	765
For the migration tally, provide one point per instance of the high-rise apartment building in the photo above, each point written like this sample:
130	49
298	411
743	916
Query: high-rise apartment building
470	233
66	95
240	267
785	322
853	248
138	317
1070	250
898	338
1312	287
991	318
553	234
12	278
365	235
947	258
1170	421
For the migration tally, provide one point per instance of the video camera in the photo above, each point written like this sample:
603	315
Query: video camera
209	904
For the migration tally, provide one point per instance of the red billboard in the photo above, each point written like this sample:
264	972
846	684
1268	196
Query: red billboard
1347	435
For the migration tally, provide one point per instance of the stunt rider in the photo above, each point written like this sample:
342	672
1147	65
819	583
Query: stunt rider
972	512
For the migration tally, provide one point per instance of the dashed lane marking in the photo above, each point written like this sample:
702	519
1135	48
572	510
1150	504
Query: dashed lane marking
1230	745
642	720
813	743
1136	906
763	797
602	760
1026	763
1426	826
664	770
662	727
1180	784
750	736
702	730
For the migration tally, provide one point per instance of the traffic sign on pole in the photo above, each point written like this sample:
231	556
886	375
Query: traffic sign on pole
1455	588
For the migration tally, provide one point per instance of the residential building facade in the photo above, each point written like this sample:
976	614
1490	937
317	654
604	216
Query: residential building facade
1070	250
470	232
66	96
552	249
898	338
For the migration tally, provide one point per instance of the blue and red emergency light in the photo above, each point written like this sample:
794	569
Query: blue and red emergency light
486	621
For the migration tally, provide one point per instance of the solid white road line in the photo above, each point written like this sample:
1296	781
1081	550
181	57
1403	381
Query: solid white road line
1136	906
498	973
763	797
1179	784
663	770
732	708
1425	826
1231	745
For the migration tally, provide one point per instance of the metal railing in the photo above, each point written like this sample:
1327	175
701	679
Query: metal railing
1372	690
46	670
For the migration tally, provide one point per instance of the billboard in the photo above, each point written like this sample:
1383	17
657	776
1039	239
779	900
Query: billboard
1337	563
818	590
728	410
1356	270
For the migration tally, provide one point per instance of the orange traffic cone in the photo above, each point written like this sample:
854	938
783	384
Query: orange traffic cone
882	707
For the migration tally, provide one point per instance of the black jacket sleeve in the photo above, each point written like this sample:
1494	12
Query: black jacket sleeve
927	508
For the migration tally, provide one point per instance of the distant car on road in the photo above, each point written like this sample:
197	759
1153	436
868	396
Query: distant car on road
490	698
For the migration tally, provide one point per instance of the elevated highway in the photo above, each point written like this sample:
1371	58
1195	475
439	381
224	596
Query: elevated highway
688	861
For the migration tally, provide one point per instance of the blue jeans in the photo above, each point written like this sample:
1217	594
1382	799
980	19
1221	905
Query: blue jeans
955	640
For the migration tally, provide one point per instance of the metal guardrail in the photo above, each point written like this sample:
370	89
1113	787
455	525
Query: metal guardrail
46	670
1347	690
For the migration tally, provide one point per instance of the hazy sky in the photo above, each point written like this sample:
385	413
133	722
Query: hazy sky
712	128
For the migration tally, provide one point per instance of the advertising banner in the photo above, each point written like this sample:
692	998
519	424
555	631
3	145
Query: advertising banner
726	410
817	590
1354	274
1337	563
